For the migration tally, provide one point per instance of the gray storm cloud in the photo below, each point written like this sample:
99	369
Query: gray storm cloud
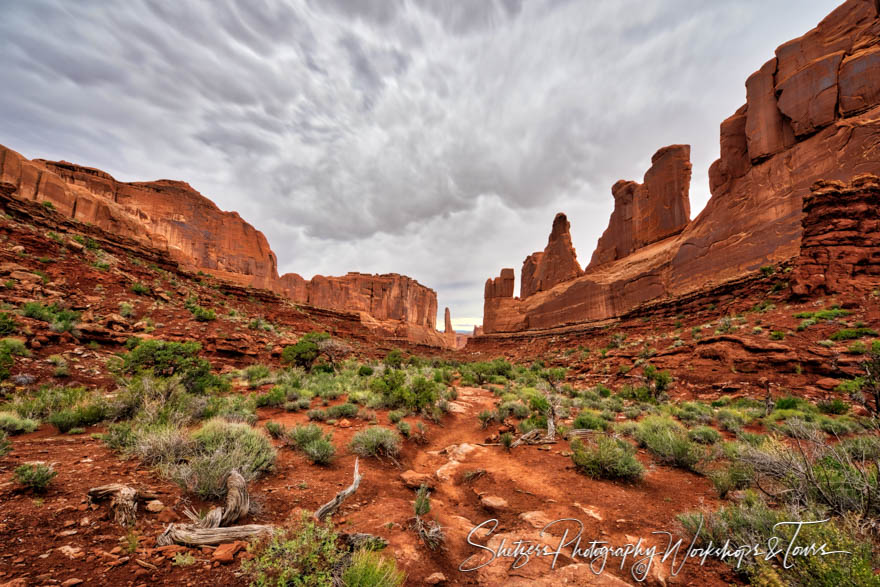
434	138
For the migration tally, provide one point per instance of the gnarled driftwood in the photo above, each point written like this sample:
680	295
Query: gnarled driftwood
332	505
123	500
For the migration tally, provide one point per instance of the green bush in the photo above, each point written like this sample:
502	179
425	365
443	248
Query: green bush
318	414
301	435
365	371
306	351
5	445
10	347
834	406
140	289
320	451
376	441
219	447
60	319
404	428
668	441
346	410
203	314
590	421
11	423
301	555
731	478
167	359
86	414
273	397
704	435
610	458
371	569
8	325
777	335
853	333
394	359
275	429
35	476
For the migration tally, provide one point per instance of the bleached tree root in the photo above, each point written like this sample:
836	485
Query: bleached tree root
332	505
123	500
214	527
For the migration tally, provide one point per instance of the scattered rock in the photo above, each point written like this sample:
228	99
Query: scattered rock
415	480
225	553
436	579
155	506
72	582
493	502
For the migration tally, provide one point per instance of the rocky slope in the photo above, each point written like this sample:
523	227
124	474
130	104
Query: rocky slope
172	217
812	113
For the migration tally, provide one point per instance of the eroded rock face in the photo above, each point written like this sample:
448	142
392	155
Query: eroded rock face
645	213
841	237
172	217
811	113
447	322
555	264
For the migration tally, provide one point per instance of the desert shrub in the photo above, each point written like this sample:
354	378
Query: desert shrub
371	569
306	350
733	477
486	417
751	521
731	419
365	370
704	435
275	429
256	375
60	319
658	380
153	445
140	289
9	348
777	335
610	458
834	406
321	450
304	554
396	416
404	428
861	448
318	415
273	397
11	423
792	403
853	333
8	325
35	476
394	359
692	412
302	434
219	447
203	314
590	421
167	359
346	410
837	426
376	441
5	445
668	441
84	414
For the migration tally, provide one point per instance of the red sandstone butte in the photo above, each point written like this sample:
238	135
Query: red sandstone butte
172	217
812	113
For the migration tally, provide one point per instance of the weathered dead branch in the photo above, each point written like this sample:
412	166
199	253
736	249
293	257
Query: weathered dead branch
123	500
332	505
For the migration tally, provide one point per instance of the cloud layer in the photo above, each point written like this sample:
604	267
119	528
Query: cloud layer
426	137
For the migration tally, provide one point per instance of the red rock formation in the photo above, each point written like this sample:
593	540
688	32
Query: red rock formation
645	213
500	287
557	263
447	322
173	217
841	239
812	112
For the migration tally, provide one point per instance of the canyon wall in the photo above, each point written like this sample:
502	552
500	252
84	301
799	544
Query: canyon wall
812	112
172	217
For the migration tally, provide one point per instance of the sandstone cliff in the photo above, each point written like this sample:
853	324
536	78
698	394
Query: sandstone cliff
812	112
841	237
172	217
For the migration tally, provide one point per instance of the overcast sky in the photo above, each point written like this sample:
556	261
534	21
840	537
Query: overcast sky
433	138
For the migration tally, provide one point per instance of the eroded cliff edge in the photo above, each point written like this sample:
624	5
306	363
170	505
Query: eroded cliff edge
812	113
172	217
